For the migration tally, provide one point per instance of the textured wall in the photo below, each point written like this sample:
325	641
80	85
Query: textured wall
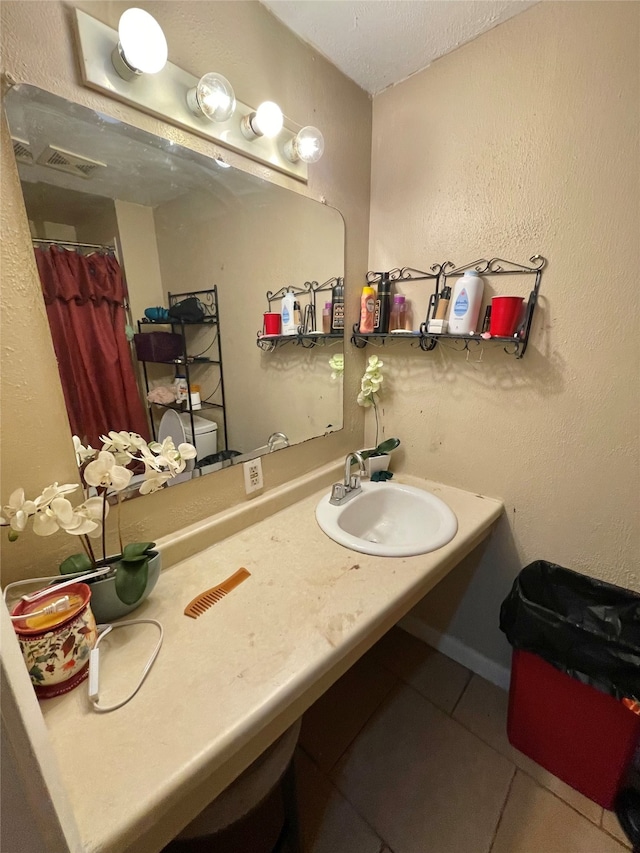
523	141
263	60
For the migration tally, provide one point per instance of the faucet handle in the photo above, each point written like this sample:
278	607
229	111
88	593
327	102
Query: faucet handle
338	491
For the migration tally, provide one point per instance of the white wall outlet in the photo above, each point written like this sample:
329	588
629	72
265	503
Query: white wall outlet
253	481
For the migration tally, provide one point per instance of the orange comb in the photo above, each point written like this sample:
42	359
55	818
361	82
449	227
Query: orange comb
206	599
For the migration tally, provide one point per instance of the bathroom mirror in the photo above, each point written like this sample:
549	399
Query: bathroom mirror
176	222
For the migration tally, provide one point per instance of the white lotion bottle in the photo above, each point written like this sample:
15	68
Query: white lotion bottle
289	325
466	301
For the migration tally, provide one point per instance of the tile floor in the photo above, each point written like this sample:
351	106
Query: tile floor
408	753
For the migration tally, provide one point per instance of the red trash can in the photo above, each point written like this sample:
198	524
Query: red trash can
575	677
579	734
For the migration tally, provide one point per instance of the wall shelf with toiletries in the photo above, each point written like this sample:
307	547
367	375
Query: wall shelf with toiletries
193	350
294	316
460	313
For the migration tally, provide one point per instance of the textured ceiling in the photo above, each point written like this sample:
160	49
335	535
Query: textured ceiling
380	42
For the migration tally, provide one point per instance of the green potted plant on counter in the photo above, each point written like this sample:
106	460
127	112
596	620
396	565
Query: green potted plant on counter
377	459
130	575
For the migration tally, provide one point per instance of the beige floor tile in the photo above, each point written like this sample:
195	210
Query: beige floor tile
438	678
328	823
422	781
535	821
611	824
329	726
483	710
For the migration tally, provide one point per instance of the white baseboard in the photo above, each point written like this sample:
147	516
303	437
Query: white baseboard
458	651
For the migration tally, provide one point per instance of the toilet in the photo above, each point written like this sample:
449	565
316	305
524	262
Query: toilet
206	442
177	425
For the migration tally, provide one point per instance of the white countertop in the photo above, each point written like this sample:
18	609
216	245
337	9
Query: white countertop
227	684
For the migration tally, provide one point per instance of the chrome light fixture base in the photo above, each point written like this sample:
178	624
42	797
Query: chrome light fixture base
164	95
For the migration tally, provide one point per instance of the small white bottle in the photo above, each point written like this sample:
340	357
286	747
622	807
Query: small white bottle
289	325
181	388
466	301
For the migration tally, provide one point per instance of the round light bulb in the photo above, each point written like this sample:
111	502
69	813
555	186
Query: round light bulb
142	44
213	97
268	120
307	145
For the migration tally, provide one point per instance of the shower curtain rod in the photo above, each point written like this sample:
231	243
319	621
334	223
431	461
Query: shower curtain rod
73	243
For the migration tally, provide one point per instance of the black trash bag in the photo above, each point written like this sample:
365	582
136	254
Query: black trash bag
189	310
627	808
214	458
584	627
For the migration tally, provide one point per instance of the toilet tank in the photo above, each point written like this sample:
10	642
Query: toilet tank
206	441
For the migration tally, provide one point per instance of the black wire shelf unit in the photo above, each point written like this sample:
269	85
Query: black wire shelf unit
192	365
515	345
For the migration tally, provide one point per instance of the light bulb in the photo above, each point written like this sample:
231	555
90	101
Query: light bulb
307	145
213	98
267	121
142	47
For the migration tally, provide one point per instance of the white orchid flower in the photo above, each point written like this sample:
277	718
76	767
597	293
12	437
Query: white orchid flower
167	457
89	517
16	513
104	471
54	491
364	400
59	514
153	481
187	451
123	445
82	453
336	363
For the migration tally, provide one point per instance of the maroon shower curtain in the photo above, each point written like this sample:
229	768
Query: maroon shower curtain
85	305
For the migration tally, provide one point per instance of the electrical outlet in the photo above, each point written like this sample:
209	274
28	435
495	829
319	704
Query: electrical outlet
253	481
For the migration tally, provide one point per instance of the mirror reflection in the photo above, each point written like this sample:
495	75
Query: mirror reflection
157	265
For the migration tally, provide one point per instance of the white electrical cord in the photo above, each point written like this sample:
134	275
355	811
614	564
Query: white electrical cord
94	665
77	577
57	606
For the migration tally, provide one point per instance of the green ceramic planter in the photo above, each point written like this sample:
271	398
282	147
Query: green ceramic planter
106	605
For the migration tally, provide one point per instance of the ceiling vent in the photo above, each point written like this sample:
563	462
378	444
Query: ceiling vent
67	161
22	150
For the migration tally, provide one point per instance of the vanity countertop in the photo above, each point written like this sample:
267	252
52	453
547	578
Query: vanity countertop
227	684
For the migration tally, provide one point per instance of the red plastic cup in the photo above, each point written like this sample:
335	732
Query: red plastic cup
505	313
272	323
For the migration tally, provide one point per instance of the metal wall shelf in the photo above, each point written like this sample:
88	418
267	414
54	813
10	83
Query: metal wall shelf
426	340
306	335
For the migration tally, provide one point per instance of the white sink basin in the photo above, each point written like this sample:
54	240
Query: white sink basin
390	520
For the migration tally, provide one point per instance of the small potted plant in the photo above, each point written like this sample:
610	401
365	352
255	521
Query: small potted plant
105	473
377	459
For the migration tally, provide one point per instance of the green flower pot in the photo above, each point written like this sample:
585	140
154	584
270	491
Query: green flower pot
106	605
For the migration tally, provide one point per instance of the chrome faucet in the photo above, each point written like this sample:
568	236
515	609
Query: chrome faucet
274	438
342	492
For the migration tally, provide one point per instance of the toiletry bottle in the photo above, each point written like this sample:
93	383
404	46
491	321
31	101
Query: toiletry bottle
326	318
443	303
337	307
196	402
466	300
289	326
297	315
181	388
383	306
367	310
398	317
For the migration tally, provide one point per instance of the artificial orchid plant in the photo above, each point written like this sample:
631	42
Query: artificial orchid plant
104	473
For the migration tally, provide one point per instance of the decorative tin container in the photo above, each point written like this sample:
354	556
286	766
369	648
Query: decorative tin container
56	646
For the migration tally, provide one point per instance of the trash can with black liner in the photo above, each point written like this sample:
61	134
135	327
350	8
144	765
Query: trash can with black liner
574	700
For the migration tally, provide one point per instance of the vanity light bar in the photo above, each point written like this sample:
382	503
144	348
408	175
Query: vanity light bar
164	95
